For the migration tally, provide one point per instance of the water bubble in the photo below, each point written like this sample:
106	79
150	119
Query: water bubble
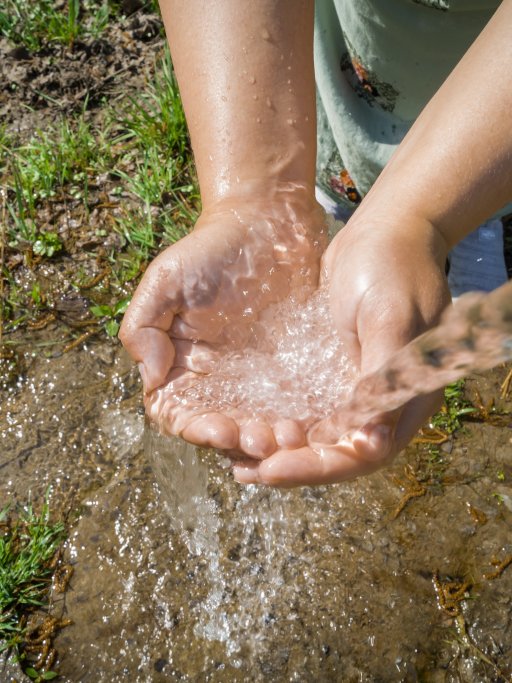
284	375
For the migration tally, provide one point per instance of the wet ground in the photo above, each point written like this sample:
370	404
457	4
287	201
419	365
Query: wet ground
328	584
179	573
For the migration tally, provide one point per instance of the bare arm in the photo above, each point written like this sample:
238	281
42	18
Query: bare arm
454	168
386	267
245	71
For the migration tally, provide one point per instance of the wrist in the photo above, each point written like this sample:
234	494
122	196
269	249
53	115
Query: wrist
289	203
410	233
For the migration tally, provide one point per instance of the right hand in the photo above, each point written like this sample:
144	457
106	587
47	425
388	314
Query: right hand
200	299
387	286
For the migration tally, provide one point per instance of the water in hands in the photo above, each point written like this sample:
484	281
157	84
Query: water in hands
294	368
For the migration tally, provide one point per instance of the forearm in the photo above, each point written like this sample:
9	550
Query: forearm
454	168
245	71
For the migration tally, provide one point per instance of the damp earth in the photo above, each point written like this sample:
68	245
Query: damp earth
179	573
353	582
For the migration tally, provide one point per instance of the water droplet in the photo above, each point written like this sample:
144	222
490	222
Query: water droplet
255	97
252	80
289	122
268	103
265	34
258	120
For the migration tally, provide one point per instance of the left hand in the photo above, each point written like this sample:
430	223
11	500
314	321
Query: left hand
201	298
387	286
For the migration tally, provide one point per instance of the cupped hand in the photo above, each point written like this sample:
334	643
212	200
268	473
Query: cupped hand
201	298
387	285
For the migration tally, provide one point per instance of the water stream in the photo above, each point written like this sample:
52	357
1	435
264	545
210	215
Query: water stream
237	607
239	604
474	334
199	579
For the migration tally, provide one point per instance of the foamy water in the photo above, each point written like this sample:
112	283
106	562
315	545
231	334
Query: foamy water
297	370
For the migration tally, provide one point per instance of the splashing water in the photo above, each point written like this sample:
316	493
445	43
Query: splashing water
183	480
474	334
284	375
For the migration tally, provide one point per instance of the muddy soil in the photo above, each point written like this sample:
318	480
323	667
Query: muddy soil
315	584
39	88
328	584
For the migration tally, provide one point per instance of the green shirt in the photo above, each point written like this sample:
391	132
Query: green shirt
377	63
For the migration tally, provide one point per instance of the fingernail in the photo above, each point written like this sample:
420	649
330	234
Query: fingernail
378	438
244	475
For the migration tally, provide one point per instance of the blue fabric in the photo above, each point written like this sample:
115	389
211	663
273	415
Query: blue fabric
477	263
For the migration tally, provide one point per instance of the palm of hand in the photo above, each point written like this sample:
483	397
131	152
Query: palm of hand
201	299
382	296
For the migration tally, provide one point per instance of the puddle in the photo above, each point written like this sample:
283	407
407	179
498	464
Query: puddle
315	584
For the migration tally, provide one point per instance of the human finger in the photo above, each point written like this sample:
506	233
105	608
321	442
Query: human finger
145	328
306	467
212	430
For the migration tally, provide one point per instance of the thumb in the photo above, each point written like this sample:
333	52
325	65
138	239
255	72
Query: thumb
154	352
145	330
381	337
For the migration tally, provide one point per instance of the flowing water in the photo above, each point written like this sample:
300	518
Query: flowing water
183	575
284	375
475	334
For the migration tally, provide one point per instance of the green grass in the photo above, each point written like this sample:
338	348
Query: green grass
110	316
61	155
29	541
449	419
433	461
136	156
35	24
149	138
54	163
155	118
153	130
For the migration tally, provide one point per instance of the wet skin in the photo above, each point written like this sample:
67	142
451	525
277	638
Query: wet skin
251	115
